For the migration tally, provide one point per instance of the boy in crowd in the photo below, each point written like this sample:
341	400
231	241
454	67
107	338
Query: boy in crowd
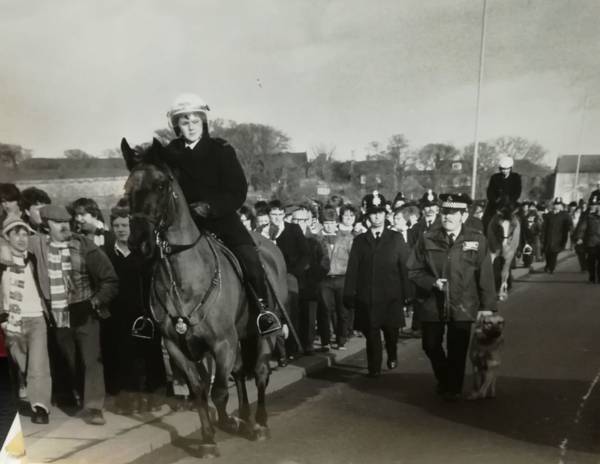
22	310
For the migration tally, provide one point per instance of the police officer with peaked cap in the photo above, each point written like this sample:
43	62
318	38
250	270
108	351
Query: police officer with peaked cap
376	285
451	267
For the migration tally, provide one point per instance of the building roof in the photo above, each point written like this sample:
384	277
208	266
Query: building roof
568	163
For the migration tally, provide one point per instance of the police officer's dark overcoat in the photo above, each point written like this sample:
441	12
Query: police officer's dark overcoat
466	265
376	280
556	231
211	173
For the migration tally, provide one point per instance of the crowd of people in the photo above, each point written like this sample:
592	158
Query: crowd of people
72	288
74	308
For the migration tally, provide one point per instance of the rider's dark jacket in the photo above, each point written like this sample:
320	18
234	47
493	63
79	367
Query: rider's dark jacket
467	266
211	173
503	188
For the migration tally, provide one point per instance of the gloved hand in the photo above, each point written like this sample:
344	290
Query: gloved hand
484	313
201	208
285	331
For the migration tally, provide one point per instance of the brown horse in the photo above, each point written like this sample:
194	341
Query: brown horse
197	297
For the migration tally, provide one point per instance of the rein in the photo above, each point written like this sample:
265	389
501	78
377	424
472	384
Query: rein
166	250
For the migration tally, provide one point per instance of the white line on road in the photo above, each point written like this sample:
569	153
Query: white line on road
564	444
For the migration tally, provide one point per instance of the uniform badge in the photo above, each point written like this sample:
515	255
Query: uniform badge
180	326
376	199
470	245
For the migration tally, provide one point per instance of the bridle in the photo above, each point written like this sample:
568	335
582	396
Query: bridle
161	224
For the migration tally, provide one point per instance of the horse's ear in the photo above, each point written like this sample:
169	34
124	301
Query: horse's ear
129	155
156	144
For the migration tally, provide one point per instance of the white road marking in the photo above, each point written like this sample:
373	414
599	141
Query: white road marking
564	443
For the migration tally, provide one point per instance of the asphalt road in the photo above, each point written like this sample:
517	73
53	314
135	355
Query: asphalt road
547	409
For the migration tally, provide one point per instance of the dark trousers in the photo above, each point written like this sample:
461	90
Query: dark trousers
448	366
551	257
375	348
284	347
84	341
593	263
581	253
307	323
331	307
254	273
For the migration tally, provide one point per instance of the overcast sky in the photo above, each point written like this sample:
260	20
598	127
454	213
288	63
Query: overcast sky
82	74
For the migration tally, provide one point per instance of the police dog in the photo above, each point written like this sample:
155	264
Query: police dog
485	355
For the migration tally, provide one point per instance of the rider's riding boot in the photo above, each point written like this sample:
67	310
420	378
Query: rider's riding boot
267	321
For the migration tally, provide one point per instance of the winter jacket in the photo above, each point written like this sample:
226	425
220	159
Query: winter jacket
467	266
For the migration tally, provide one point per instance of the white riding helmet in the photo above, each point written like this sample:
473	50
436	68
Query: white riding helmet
506	162
185	104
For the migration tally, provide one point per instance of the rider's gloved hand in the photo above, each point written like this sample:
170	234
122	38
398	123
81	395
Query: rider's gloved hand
201	208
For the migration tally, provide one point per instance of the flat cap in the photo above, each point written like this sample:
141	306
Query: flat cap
55	213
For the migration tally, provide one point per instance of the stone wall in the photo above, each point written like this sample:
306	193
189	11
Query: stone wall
106	191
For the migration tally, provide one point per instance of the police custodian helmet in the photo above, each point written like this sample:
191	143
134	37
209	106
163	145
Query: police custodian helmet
373	203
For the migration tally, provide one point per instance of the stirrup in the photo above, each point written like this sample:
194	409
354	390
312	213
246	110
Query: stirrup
267	323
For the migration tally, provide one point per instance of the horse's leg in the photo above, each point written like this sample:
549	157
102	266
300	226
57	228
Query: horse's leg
225	356
239	375
262	372
200	389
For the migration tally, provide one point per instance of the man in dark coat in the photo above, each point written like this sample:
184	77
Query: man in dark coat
430	218
376	284
215	186
595	193
452	270
294	247
557	225
504	188
308	284
587	235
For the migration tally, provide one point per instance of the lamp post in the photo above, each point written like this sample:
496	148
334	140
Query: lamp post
580	148
481	62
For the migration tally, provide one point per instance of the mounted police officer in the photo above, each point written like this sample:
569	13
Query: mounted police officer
451	267
215	187
504	188
376	284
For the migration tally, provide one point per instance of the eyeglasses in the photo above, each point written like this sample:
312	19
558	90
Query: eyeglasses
296	220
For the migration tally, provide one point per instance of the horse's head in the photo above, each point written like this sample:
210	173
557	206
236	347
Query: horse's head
506	210
149	189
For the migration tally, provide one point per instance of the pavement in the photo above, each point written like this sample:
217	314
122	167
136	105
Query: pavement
68	439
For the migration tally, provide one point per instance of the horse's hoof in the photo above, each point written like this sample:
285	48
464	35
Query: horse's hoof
232	424
261	433
209	450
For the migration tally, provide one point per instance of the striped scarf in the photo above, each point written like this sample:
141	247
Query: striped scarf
16	284
59	266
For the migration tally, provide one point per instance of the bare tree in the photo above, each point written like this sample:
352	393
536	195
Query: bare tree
252	143
12	155
77	154
164	135
520	148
